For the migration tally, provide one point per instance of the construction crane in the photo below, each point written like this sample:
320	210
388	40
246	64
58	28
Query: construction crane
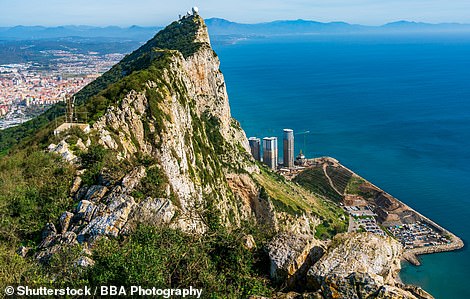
305	133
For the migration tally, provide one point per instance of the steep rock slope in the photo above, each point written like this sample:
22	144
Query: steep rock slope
172	152
163	149
361	265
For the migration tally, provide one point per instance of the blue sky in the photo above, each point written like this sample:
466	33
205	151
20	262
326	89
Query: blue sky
158	12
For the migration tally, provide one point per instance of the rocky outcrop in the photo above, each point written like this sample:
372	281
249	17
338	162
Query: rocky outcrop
291	256
360	265
353	266
152	211
104	213
63	149
360	253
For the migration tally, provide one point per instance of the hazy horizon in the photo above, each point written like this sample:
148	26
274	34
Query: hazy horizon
53	13
234	21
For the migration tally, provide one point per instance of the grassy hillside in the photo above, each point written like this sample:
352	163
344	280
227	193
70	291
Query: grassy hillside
35	190
294	199
315	180
177	36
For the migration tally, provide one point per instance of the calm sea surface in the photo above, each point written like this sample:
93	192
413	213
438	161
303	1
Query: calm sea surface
396	109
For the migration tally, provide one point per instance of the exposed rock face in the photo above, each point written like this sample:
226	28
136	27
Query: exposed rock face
193	97
95	193
180	119
361	253
111	220
63	149
292	255
64	221
104	213
360	265
249	242
151	211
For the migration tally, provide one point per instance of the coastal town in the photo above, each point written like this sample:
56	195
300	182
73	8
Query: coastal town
28	89
369	208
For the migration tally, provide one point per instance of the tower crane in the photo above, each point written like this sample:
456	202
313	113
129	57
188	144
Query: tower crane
305	133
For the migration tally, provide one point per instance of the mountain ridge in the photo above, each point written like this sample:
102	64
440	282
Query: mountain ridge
157	187
220	26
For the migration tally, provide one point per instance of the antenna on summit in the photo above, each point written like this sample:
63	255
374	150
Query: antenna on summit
193	12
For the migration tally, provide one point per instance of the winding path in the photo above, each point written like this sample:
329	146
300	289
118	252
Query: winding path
325	165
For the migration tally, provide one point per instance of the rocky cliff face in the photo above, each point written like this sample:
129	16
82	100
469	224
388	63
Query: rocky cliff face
182	118
174	112
176	157
361	265
353	265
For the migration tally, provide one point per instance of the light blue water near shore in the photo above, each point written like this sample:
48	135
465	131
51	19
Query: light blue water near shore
396	109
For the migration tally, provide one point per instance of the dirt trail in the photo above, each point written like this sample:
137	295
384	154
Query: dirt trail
330	180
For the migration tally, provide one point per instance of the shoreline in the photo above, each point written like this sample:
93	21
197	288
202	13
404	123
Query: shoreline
412	255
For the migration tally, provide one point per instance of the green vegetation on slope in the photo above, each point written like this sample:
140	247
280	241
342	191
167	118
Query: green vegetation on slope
294	199
314	180
34	191
284	195
217	262
340	177
177	36
353	186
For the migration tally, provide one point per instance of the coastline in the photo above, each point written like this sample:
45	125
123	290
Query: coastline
409	255
412	255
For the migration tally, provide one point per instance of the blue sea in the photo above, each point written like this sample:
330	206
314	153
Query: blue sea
395	109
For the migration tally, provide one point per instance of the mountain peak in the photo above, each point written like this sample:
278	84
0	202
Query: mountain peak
185	35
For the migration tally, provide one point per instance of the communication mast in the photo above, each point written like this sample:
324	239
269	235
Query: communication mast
70	114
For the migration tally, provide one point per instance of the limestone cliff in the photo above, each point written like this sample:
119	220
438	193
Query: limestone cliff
163	149
175	155
181	117
361	265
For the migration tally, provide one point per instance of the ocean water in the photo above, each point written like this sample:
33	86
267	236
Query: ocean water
395	109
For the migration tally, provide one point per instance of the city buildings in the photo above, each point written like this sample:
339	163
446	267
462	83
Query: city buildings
255	146
28	89
270	152
288	142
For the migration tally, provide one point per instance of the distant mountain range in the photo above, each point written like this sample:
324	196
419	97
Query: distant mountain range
224	27
136	33
220	27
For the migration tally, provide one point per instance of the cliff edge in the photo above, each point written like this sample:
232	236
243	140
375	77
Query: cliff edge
162	176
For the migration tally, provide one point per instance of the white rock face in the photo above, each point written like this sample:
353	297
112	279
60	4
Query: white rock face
112	221
131	180
361	253
151	211
63	150
361	265
176	146
291	255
